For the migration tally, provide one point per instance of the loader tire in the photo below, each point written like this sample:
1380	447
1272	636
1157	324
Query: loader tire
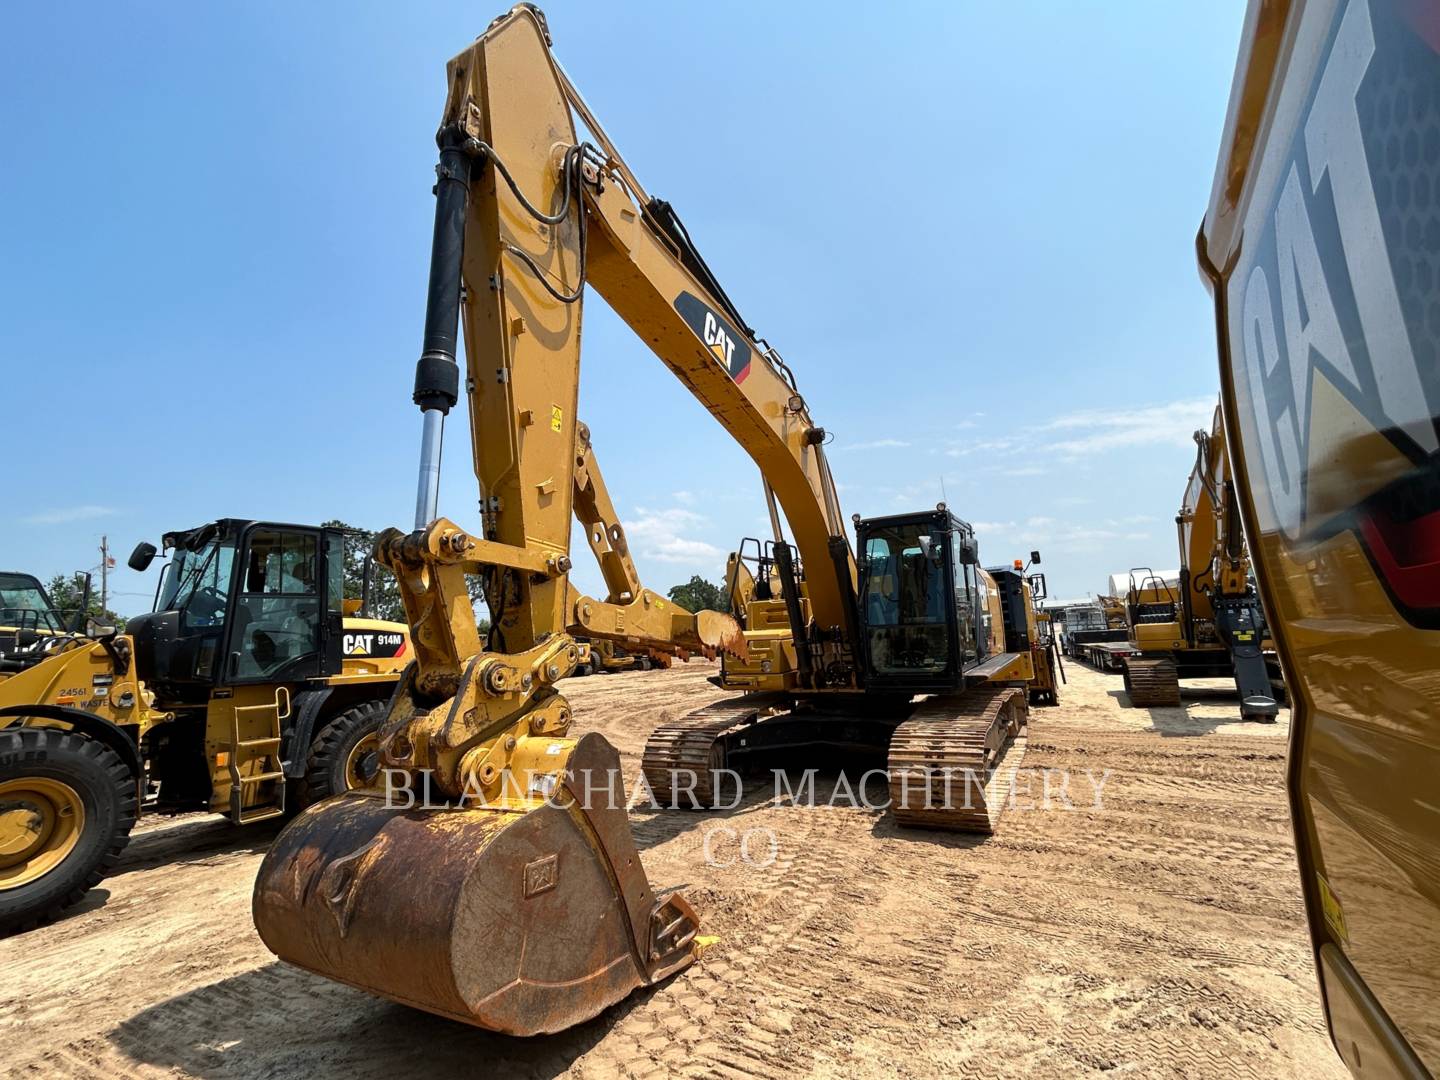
67	805
344	754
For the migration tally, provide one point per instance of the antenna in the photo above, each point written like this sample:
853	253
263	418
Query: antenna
943	497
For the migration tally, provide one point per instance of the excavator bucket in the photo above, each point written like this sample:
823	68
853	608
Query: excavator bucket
525	916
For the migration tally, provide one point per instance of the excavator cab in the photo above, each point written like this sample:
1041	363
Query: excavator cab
923	601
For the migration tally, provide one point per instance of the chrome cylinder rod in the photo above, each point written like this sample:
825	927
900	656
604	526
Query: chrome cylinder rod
427	492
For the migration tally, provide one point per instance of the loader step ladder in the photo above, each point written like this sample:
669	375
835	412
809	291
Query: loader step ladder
261	755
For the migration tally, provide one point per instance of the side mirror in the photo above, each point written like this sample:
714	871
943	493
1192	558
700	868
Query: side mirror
141	558
1035	558
969	551
94	629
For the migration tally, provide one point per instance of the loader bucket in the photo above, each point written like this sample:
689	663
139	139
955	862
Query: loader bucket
523	920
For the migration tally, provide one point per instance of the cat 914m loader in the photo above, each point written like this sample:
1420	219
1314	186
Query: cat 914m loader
513	898
248	688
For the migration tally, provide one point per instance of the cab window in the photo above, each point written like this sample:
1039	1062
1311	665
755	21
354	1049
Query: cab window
278	612
197	583
967	617
903	598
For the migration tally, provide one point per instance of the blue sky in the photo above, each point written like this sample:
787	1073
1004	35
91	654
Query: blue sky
969	230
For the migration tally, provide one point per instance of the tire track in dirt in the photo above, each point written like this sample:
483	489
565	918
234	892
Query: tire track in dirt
1160	934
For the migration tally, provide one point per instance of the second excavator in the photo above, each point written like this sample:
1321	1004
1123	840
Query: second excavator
505	888
1207	622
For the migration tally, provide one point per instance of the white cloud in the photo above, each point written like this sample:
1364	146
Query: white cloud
875	444
67	514
1169	424
986	446
1088	431
659	535
685	497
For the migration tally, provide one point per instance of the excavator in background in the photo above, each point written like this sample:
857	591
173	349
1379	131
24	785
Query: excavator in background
513	897
250	688
1114	608
1208	623
1319	249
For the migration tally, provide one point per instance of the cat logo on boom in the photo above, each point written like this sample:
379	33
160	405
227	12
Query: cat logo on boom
725	343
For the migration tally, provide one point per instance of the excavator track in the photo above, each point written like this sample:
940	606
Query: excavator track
693	746
953	762
1152	682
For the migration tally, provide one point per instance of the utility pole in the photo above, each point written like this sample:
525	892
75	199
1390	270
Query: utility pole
104	573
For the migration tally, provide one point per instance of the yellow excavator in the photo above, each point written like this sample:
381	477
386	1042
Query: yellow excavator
1319	247
1208	622
492	876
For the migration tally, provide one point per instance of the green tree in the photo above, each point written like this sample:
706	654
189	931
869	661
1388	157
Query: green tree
697	594
384	589
384	598
65	593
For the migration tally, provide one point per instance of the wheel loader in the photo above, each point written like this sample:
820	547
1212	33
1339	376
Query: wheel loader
1207	622
606	657
247	691
491	875
1319	247
30	624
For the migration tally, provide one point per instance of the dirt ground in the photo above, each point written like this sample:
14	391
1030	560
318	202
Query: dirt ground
1158	933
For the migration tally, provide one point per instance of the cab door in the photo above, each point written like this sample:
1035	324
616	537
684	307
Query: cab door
280	627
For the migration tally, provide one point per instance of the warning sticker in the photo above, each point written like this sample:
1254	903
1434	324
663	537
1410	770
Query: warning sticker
557	418
1334	914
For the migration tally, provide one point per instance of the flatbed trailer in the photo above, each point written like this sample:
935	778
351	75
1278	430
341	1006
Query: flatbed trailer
1077	642
1107	655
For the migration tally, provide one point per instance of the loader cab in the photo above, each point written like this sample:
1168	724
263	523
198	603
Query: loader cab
27	617
243	602
924	603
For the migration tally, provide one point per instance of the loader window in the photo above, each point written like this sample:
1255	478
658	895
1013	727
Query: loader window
23	604
277	617
903	598
197	584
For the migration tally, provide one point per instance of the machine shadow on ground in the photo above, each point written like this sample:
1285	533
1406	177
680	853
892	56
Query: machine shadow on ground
1171	721
240	1026
197	841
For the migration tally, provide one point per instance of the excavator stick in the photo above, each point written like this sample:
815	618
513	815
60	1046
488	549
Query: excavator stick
524	916
493	878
